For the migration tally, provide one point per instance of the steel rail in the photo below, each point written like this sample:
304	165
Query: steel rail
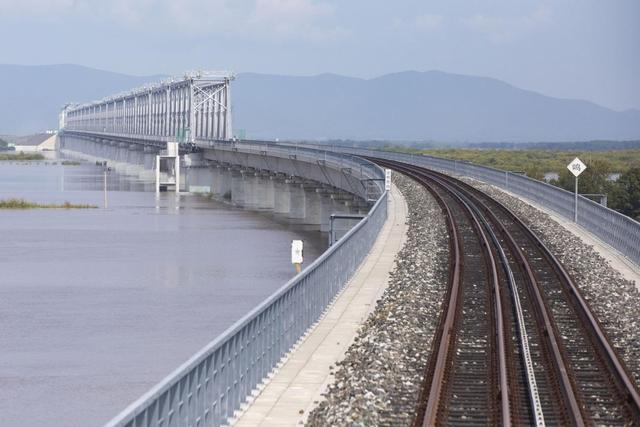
444	332
446	345
544	318
562	371
532	388
617	371
626	385
498	312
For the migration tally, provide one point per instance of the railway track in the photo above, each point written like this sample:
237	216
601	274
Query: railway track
517	344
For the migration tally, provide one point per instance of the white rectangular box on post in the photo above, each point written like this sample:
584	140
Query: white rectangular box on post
172	153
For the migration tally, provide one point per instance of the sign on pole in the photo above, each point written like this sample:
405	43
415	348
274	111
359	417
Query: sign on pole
387	179
576	167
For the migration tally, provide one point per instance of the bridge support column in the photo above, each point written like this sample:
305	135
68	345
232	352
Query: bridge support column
121	157
149	162
268	191
297	200
199	179
264	198
197	175
251	191
313	205
135	159
112	153
281	196
222	182
237	188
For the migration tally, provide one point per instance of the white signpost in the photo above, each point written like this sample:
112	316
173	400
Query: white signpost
576	167
297	247
387	179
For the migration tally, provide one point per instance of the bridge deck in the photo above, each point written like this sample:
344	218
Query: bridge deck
289	394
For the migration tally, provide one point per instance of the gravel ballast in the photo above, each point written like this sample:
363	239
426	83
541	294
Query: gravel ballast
379	380
614	300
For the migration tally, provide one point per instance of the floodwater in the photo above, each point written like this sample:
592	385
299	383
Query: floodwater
98	305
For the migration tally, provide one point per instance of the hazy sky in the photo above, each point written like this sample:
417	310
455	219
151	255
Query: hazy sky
587	49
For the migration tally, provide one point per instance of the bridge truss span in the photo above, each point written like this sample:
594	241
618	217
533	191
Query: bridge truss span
194	107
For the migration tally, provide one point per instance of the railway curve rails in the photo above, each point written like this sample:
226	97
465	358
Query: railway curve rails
517	344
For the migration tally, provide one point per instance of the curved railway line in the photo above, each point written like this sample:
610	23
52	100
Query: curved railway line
517	344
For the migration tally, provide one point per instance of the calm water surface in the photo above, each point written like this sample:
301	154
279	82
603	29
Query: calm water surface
98	305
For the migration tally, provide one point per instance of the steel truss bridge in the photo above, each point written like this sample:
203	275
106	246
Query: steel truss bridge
194	107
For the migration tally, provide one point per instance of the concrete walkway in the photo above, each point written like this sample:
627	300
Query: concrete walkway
294	390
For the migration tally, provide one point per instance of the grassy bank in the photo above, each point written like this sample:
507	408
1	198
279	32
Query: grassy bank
20	156
24	204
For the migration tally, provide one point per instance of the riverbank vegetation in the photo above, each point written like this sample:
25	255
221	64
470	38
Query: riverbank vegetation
12	156
534	162
24	204
623	194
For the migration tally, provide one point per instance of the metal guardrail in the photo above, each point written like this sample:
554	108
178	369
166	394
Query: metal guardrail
613	228
213	384
359	169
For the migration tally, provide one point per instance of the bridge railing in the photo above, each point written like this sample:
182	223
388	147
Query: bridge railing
214	383
353	171
613	228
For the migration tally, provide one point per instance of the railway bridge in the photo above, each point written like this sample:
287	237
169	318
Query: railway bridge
516	343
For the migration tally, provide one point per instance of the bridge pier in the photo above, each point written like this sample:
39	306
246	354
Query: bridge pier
313	204
149	162
250	186
297	200
198	179
237	187
196	174
264	197
135	159
282	196
222	182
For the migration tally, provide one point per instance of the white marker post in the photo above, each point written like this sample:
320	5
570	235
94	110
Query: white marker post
387	179
297	247
576	167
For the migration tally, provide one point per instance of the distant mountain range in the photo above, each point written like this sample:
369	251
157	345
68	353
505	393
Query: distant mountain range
407	106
